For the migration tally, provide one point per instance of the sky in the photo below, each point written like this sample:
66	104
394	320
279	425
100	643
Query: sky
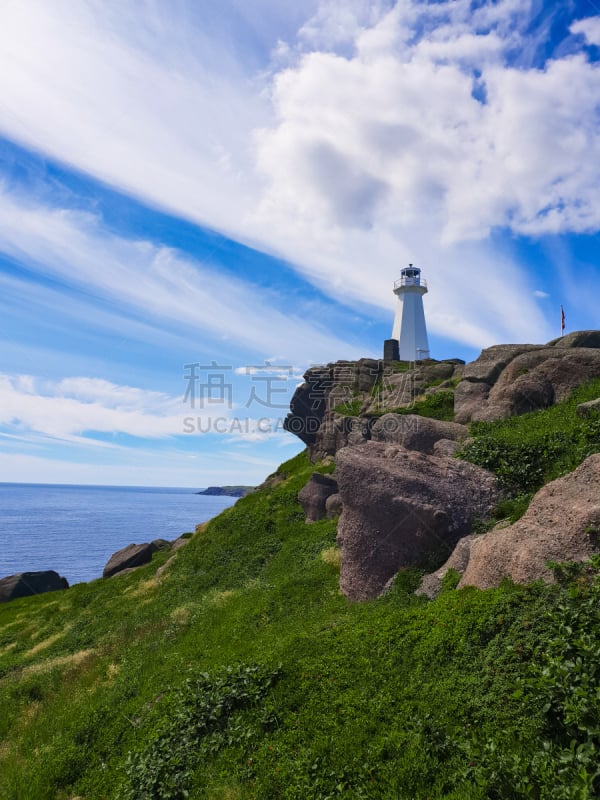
198	201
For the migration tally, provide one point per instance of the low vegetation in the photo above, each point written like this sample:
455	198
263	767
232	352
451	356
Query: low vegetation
244	673
528	451
436	405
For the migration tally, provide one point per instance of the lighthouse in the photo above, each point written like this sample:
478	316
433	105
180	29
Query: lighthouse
409	334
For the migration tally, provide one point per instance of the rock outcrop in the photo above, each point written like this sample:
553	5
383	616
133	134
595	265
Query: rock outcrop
314	495
29	583
337	404
331	409
562	523
134	555
161	544
577	339
401	508
311	399
507	380
402	494
415	432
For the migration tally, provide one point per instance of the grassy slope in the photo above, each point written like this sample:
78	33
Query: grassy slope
397	698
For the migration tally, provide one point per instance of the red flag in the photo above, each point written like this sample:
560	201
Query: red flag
562	319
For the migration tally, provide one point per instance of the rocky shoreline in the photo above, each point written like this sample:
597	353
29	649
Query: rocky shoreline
123	561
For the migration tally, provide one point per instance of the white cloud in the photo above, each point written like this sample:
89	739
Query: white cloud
348	165
589	27
363	139
70	408
169	289
34	411
134	96
539	293
337	22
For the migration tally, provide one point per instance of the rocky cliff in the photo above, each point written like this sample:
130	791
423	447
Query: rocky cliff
393	430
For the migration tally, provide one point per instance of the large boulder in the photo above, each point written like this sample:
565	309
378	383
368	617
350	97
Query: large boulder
538	379
577	339
337	431
134	555
28	583
562	523
506	380
415	432
402	508
313	496
589	409
492	361
309	404
469	398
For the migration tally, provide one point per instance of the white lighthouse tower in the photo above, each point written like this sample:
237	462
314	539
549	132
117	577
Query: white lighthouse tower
409	334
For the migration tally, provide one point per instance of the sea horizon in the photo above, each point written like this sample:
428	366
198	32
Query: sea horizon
104	485
75	528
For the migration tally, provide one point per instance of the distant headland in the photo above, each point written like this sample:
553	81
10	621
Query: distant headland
227	491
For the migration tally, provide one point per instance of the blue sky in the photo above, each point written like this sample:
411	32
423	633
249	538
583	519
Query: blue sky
237	186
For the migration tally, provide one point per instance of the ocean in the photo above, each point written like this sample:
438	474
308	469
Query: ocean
75	529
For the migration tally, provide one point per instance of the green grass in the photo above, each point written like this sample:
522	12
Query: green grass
350	408
244	673
527	451
438	405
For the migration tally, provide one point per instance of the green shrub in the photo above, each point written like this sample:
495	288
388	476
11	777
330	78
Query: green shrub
527	451
200	719
561	693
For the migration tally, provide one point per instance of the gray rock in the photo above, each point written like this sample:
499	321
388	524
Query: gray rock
333	434
562	523
359	431
25	584
401	507
308	404
369	372
442	371
333	506
538	379
180	542
446	447
469	398
415	432
134	555
313	496
161	544
589	409
493	360
398	390
431	584
577	339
